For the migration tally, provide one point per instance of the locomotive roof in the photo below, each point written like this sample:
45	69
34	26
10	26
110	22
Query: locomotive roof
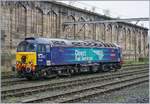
67	42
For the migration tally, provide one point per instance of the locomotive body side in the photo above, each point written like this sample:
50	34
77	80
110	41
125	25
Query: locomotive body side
83	55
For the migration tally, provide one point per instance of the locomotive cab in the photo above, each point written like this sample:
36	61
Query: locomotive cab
26	57
31	56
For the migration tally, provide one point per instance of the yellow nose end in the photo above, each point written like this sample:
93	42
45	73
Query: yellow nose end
30	57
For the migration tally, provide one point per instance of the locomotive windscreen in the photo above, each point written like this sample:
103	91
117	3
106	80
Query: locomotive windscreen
26	47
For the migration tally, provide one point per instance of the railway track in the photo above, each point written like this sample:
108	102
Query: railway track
22	82
5	75
64	85
14	81
88	89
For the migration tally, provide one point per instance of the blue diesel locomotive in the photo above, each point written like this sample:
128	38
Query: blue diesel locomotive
42	57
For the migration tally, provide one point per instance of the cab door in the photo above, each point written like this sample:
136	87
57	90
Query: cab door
44	55
41	54
48	55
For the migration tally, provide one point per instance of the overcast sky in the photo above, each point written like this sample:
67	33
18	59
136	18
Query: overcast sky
122	9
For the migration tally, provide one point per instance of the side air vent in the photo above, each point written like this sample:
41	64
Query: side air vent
58	43
77	44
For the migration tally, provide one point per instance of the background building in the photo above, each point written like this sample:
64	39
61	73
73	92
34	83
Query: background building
20	19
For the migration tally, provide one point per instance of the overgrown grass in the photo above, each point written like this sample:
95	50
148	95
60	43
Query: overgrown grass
139	61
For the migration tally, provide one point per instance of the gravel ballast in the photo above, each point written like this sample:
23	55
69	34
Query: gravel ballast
133	94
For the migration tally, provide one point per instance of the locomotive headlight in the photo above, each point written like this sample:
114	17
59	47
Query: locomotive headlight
32	66
30	62
18	65
17	62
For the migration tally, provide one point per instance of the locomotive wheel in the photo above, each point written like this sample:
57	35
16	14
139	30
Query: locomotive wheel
94	69
105	68
119	66
44	75
76	70
71	71
35	77
115	69
29	78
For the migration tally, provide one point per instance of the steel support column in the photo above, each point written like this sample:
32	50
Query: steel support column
11	10
25	23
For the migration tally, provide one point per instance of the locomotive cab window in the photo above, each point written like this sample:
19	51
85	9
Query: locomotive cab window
47	48
26	47
41	48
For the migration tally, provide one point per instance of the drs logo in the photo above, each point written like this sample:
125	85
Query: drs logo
41	56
